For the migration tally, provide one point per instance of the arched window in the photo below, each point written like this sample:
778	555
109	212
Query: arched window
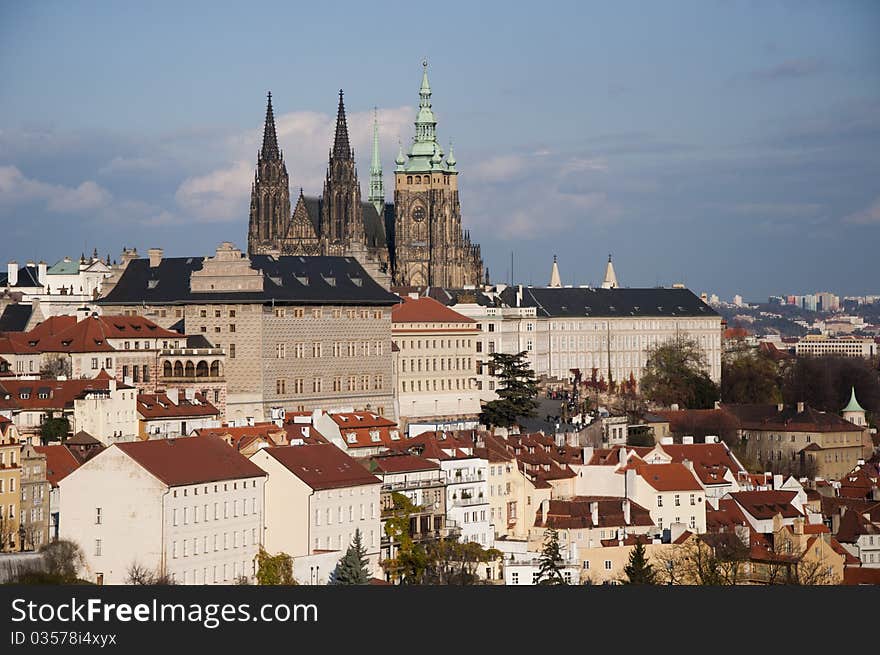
167	369
202	369
409	179
418	179
189	370
178	370
215	369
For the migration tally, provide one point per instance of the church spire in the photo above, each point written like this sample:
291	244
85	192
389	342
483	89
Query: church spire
555	280
269	152
610	281
377	187
341	148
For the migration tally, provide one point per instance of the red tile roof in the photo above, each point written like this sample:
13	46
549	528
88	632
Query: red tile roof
190	460
400	463
91	334
242	436
577	513
711	460
669	477
766	504
768	417
14	344
322	466
861	575
60	462
59	393
158	406
427	310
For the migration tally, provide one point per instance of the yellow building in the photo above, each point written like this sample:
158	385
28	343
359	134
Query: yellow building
10	485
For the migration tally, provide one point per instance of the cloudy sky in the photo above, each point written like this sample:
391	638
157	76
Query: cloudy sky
732	146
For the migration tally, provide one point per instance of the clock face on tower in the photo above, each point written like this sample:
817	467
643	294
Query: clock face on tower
418	214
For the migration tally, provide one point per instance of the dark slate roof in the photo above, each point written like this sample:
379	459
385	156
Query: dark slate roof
313	207
27	277
609	302
374	225
198	341
455	296
329	280
15	317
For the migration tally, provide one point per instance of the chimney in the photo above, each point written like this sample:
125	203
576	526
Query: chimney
594	513
42	268
667	441
687	440
780	407
111	384
626	513
800	407
777	481
717	404
711	438
12	273
588	454
155	255
173	395
799	526
674	407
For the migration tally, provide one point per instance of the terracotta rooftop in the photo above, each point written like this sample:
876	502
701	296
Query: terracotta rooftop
669	477
427	310
766	504
190	460
322	466
159	406
49	394
577	513
92	333
400	463
60	462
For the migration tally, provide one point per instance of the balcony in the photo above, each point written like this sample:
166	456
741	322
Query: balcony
456	479
190	352
413	484
469	502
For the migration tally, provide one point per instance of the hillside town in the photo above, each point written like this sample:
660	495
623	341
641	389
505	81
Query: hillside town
255	413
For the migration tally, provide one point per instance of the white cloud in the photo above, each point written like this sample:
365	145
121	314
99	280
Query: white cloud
305	138
16	188
868	216
124	165
500	168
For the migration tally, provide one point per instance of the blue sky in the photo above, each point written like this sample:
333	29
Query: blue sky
733	146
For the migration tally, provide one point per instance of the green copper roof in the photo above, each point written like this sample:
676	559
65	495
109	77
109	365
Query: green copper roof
853	403
377	187
425	154
64	267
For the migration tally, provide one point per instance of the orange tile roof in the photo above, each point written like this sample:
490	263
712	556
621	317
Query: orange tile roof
766	504
426	310
91	333
158	406
669	477
60	462
59	394
322	466
190	460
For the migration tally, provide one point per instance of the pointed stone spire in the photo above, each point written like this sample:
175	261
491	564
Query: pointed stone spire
610	281
269	151
377	186
401	160
341	147
555	280
450	160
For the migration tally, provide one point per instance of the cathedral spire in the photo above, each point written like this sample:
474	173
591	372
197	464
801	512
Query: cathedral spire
377	187
610	281
555	280
341	147
269	151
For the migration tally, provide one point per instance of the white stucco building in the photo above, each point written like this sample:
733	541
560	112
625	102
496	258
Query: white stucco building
316	497
188	508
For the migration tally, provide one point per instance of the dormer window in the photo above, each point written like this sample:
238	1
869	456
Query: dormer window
374	435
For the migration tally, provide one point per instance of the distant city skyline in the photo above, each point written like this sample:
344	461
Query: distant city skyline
734	147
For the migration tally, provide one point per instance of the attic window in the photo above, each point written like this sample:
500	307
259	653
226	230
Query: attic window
303	280
395	435
351	437
330	280
275	280
374	435
152	284
358	281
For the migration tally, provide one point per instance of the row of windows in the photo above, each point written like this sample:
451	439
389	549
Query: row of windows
194	513
354	383
236	542
460	385
340	514
415	365
340	544
11	487
318	312
416	344
340	349
676	500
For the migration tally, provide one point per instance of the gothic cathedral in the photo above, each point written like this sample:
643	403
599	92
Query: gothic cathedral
417	241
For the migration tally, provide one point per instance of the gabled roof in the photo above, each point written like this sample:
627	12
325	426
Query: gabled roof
190	460
668	477
764	505
768	417
13	343
59	394
322	466
60	462
400	463
158	406
241	436
92	334
710	461
427	310
81	438
286	279
560	302
15	317
577	513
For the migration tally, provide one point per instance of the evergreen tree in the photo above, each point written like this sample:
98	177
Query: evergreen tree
352	568
516	390
550	572
639	570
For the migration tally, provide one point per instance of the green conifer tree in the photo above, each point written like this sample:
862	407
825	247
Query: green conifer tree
352	568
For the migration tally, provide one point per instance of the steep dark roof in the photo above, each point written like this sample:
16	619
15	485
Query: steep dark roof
455	296
313	208
15	317
198	341
287	279
374	225
28	276
609	302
